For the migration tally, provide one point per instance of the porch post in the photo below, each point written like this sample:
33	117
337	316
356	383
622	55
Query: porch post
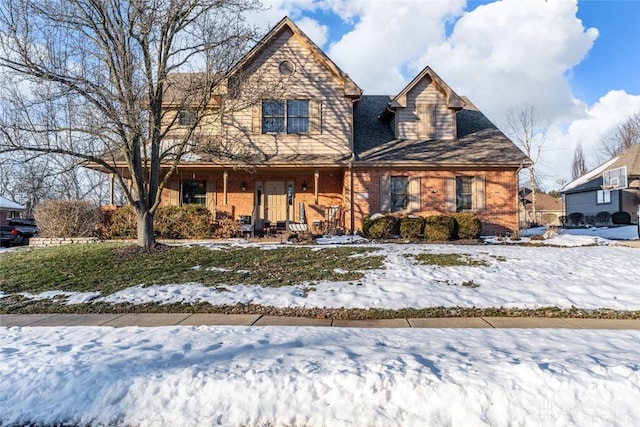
225	177
112	190
316	178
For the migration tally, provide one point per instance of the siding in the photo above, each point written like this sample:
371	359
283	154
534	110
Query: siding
311	80
586	203
425	93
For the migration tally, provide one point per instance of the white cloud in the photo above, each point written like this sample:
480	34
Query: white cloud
610	110
387	36
514	52
503	55
316	31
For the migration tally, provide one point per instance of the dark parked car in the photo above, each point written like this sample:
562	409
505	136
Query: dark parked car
18	231
10	235
26	226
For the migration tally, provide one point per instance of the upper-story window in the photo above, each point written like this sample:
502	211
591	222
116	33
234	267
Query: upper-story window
290	116
186	118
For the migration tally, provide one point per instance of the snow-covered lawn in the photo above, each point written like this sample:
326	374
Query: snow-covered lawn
285	376
230	376
583	271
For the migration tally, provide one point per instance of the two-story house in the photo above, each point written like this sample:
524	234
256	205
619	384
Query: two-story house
302	143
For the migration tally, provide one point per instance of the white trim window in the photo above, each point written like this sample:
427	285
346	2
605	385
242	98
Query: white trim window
603	197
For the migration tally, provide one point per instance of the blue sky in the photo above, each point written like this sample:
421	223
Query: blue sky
614	60
576	62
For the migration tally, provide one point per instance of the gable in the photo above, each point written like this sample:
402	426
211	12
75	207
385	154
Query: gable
286	42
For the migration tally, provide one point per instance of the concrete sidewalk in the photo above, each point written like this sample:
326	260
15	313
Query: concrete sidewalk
204	319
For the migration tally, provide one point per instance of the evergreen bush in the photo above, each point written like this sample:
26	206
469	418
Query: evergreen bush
382	228
466	226
603	218
411	227
576	218
621	218
438	228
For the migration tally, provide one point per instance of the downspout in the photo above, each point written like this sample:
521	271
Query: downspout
518	199
352	158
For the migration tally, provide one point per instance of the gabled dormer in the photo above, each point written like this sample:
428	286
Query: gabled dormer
425	109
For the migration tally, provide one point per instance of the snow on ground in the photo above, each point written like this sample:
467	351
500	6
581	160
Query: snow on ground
313	377
284	376
590	277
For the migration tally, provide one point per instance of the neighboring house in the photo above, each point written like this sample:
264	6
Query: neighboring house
548	210
9	209
315	148
586	194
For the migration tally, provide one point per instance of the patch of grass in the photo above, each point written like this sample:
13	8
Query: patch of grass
449	260
108	268
466	283
19	305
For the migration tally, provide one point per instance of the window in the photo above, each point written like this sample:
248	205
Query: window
399	193
297	116
291	116
464	193
186	118
603	197
194	193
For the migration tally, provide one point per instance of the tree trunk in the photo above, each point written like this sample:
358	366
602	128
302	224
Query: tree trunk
145	229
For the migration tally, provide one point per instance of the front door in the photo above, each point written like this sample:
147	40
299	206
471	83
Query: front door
275	207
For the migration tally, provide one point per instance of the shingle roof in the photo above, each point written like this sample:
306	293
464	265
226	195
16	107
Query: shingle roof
479	142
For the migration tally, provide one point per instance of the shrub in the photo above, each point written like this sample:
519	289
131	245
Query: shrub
383	228
438	228
123	223
66	218
576	218
195	222
225	228
169	222
466	226
620	218
366	224
563	220
166	223
549	218
603	218
411	227
537	237
590	219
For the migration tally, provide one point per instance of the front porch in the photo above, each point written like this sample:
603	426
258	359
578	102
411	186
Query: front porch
266	202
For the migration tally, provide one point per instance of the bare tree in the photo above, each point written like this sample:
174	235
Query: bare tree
579	167
91	80
621	137
526	130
